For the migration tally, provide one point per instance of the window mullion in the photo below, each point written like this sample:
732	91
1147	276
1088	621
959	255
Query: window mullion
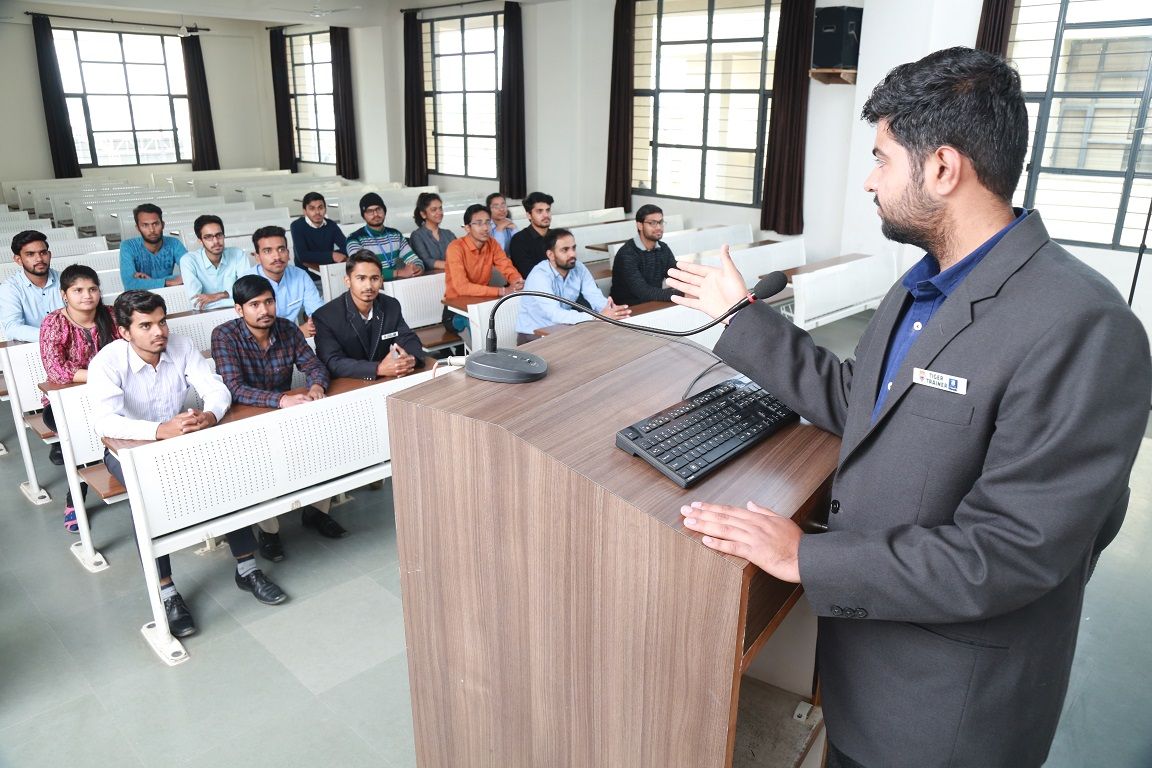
1133	156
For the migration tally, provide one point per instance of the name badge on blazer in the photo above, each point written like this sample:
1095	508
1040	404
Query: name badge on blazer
386	336
944	381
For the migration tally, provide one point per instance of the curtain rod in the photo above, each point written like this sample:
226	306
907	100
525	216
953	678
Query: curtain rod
445	5
191	28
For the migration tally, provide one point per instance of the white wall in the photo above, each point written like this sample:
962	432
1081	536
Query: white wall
236	63
922	27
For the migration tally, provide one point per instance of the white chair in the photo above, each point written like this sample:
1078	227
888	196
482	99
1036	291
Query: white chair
479	315
83	453
23	373
421	298
199	327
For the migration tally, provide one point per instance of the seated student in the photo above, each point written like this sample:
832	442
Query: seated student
561	275
69	338
641	265
469	266
361	333
149	261
526	248
429	239
255	355
502	226
296	294
28	296
210	270
137	385
397	258
315	237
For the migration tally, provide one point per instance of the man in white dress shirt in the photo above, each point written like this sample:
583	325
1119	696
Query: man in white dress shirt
137	385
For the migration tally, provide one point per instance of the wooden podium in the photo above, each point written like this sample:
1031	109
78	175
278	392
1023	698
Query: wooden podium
556	611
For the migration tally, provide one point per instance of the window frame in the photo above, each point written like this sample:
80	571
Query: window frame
765	96
1041	133
428	33
313	94
83	95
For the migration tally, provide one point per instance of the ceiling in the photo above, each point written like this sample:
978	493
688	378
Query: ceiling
344	13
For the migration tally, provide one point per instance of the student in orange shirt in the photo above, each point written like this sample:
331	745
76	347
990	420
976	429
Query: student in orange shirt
469	264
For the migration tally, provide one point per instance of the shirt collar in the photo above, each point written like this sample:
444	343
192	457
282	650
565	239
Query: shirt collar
925	279
640	244
321	225
136	363
51	280
244	329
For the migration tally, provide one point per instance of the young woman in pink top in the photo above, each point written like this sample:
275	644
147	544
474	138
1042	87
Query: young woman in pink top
69	339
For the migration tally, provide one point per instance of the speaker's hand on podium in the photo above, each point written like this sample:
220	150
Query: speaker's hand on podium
712	290
755	533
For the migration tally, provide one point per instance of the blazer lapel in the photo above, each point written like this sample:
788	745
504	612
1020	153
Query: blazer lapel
357	326
954	315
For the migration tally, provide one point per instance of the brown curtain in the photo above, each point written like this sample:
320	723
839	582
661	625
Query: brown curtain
204	156
618	174
995	26
415	136
511	167
286	148
65	164
782	208
347	156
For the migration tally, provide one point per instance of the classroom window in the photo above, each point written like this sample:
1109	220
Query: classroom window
463	61
310	91
702	96
127	97
1085	67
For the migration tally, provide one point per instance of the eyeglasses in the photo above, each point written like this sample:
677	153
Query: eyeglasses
212	236
659	223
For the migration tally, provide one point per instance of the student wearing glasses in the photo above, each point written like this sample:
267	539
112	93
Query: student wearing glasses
211	269
641	266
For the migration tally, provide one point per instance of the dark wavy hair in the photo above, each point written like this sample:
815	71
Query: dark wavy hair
962	98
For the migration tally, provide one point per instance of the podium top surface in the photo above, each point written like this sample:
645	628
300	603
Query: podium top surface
602	379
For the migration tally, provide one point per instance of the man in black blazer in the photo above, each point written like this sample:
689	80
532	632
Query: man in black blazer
362	334
990	421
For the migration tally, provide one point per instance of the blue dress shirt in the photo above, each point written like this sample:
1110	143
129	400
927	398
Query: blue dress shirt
134	257
24	305
202	276
928	288
294	292
503	237
540	313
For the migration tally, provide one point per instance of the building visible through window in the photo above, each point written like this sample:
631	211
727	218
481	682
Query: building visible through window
1085	67
310	90
702	97
463	61
127	97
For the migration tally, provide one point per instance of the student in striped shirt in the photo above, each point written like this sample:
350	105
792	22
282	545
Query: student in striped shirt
397	259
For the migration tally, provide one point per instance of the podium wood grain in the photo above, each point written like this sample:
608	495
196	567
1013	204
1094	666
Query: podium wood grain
556	611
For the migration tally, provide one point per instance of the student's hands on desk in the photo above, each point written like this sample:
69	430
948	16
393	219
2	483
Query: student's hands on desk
315	392
396	363
184	422
616	311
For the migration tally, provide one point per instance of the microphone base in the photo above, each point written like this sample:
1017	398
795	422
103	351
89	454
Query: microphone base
506	366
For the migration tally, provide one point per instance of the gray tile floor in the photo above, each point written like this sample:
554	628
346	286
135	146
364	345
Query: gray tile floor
323	679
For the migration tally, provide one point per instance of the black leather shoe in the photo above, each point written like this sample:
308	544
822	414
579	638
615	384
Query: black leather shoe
260	586
270	546
180	623
56	455
324	524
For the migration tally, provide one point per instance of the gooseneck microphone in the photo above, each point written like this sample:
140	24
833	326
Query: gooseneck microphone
515	366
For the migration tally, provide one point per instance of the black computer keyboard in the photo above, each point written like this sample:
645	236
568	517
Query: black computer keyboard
694	438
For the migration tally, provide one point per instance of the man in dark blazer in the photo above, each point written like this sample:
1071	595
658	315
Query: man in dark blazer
361	334
990	421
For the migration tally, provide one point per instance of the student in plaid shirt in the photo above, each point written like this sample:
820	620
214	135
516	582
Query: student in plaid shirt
255	355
